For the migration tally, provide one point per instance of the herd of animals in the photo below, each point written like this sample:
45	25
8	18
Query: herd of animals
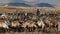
28	22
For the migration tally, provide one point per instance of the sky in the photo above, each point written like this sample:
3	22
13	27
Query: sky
54	2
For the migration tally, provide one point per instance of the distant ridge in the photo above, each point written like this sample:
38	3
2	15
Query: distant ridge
15	4
26	5
19	4
44	5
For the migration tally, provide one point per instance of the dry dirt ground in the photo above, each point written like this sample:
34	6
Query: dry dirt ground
30	33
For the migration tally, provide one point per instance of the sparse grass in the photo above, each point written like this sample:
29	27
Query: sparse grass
29	9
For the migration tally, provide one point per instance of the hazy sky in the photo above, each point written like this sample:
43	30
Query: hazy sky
37	1
55	2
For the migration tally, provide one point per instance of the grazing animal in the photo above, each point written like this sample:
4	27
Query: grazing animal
40	25
3	26
50	23
30	25
14	25
4	15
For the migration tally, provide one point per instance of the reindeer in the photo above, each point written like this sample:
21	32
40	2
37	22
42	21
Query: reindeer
29	25
59	25
32	25
4	15
54	24
50	23
4	26
14	25
41	25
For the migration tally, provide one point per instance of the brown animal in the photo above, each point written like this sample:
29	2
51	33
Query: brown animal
3	26
14	25
30	25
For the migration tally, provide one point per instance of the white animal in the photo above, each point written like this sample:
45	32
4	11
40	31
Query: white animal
4	15
41	24
4	25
